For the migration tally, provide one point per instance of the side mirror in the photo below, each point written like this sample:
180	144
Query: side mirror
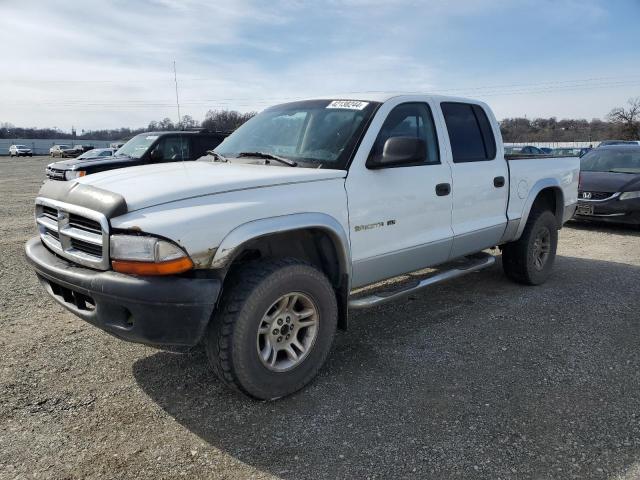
399	151
156	154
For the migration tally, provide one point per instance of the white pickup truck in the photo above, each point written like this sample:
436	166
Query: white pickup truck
257	250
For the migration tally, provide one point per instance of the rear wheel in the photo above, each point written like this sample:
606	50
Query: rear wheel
274	328
529	260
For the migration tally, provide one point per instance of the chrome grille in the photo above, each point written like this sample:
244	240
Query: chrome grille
76	233
596	196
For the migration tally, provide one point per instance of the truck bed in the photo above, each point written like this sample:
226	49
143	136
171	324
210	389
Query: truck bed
526	178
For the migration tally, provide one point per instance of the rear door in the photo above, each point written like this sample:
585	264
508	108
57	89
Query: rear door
172	148
480	178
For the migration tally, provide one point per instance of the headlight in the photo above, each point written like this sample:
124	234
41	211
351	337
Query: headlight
629	195
71	174
145	255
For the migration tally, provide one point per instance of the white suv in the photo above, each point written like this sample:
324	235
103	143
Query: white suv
20	151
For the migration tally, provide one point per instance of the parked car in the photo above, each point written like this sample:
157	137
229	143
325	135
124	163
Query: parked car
83	148
20	151
258	252
526	150
531	150
96	153
607	143
564	151
62	151
610	185
584	150
512	150
150	147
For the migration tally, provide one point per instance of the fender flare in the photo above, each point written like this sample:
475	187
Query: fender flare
231	244
540	185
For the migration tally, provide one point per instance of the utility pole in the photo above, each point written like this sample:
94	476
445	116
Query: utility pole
175	78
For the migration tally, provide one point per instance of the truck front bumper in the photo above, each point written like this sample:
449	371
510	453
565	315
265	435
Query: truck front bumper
171	311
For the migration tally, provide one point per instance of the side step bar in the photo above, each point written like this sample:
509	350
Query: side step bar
470	264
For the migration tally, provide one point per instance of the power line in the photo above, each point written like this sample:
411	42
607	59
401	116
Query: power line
230	102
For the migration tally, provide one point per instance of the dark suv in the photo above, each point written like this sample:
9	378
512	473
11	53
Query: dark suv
150	147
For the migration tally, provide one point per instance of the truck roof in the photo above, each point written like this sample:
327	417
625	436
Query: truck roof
385	96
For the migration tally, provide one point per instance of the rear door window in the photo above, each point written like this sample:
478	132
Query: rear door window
470	132
175	148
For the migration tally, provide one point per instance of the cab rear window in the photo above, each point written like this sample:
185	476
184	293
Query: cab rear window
470	132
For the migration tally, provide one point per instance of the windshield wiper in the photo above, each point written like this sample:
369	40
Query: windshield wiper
217	157
269	156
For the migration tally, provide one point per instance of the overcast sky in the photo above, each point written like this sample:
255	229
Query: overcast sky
101	64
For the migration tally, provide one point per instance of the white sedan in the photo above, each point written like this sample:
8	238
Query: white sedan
20	151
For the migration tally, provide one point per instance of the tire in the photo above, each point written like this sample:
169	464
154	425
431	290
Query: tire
522	260
245	328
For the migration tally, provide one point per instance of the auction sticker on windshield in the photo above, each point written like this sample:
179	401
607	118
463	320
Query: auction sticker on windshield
348	104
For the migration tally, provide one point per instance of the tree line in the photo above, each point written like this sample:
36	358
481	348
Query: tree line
215	120
621	123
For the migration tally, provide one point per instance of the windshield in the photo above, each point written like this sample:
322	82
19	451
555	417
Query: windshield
617	160
21	146
136	147
64	147
315	133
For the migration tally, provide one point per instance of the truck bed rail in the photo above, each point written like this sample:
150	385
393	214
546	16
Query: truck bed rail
529	156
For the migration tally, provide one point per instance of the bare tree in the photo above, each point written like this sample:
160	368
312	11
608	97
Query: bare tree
188	122
166	124
627	119
225	120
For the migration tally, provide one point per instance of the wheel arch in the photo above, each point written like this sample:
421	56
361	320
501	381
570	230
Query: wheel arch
546	192
317	238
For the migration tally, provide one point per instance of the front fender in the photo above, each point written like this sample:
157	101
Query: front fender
232	243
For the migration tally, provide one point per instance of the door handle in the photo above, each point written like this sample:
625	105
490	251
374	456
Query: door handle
498	182
443	189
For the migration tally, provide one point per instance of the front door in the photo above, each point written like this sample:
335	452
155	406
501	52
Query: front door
398	223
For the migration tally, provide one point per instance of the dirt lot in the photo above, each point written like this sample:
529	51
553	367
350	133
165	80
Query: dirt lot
479	378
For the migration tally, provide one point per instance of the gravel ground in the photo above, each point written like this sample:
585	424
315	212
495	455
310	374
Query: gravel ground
478	378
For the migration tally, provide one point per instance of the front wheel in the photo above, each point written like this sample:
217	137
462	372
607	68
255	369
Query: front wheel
529	260
274	328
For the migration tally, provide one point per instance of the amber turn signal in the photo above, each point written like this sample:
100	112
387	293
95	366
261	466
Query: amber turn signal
170	267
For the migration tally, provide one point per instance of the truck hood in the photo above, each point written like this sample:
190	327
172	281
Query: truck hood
79	163
148	185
